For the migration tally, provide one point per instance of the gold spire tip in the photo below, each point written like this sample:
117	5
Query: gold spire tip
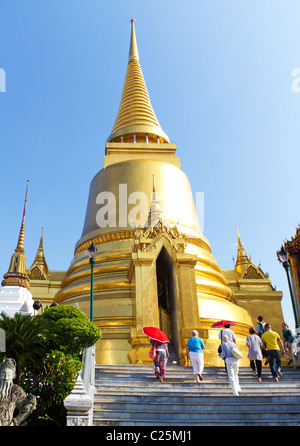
133	51
26	190
153	183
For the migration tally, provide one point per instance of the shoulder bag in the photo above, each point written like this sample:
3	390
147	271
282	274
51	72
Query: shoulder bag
152	353
236	353
220	346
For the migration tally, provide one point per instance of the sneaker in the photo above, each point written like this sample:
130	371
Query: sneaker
279	372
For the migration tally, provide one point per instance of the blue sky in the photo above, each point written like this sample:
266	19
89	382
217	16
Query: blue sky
219	75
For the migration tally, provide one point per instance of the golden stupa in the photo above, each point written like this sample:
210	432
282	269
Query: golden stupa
153	266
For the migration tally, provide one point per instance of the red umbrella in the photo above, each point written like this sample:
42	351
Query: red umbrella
222	324
156	334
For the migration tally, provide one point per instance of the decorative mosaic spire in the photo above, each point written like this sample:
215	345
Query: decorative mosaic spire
17	272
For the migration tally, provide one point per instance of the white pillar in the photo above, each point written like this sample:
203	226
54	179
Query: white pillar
78	405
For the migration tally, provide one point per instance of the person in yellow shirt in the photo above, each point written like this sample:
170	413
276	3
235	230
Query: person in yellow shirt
272	343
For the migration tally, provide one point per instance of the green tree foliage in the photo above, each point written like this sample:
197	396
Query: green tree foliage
51	384
60	375
63	312
71	330
25	340
47	349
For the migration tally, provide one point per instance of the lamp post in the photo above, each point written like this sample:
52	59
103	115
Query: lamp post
92	252
283	258
37	305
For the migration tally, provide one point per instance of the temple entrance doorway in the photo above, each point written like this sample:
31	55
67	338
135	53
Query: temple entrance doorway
166	293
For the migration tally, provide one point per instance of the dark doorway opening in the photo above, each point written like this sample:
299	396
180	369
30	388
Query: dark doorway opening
166	293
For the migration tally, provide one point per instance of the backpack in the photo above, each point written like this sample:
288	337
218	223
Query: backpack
291	336
262	330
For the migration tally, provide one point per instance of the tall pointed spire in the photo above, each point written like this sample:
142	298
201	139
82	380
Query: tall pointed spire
17	272
136	119
20	245
242	260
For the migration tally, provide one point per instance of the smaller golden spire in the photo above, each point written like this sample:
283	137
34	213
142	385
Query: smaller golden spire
39	268
41	247
242	260
153	186
155	214
17	272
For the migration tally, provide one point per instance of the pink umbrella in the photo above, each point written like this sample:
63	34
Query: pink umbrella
156	334
222	324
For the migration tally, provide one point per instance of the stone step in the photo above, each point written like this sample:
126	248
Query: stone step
133	371
198	408
189	379
149	380
114	422
132	396
204	392
192	399
198	416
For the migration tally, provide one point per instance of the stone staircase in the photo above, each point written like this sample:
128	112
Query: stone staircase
132	396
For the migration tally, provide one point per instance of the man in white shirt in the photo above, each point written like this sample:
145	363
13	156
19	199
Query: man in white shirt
226	331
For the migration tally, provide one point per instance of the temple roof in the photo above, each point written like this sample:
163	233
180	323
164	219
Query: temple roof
136	115
293	246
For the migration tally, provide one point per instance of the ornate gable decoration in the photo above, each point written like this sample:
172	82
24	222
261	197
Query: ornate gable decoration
37	274
146	239
293	246
253	272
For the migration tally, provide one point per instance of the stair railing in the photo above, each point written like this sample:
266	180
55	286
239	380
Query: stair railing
88	376
80	402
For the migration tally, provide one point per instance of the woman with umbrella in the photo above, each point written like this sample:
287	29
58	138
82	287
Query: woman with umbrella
225	331
159	350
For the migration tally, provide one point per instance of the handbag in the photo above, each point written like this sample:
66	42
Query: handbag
152	353
220	346
236	353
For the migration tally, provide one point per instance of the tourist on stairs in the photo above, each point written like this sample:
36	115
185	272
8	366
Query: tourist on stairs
194	350
160	361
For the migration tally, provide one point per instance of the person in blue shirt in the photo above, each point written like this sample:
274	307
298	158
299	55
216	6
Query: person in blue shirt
194	350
